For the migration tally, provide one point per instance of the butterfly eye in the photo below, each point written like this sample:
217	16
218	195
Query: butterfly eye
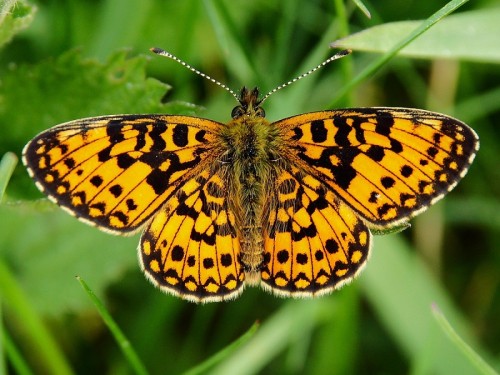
260	112
237	111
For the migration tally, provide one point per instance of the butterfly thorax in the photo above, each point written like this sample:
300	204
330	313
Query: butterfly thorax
251	148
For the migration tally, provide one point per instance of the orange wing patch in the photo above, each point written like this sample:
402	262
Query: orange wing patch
190	248
388	164
115	172
314	243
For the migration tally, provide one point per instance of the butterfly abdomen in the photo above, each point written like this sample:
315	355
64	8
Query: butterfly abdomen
251	143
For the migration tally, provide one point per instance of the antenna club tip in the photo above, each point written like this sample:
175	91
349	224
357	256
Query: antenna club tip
343	53
157	50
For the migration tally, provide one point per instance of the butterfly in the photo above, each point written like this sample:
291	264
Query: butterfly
288	205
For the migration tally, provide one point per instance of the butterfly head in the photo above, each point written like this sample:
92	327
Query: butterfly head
249	104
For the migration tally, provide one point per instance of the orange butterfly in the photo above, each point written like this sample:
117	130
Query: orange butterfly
288	204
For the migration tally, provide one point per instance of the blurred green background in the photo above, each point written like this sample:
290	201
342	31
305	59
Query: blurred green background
63	60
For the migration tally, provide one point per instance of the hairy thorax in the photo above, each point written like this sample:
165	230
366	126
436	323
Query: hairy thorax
251	147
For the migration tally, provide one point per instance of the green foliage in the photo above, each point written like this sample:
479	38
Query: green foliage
14	17
480	365
67	61
71	86
122	341
52	245
7	165
467	36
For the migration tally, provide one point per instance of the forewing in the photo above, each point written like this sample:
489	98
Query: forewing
114	172
190	248
388	164
313	242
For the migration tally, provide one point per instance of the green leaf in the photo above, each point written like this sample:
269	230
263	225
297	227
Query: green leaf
46	248
7	165
36	97
470	36
14	17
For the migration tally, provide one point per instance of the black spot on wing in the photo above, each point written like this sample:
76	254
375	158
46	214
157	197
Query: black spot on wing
406	171
105	154
301	258
283	256
69	162
318	255
376	153
384	123
116	190
208	263
96	180
387	182
200	136
343	130
114	131
177	253
318	131
343	172
158	180
180	135
432	151
124	161
331	246
156	133
226	260
191	261
396	146
131	204
298	134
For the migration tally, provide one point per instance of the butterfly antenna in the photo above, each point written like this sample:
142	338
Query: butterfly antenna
327	61
161	52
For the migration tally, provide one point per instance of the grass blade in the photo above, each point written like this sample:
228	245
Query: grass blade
35	332
362	7
219	356
16	359
120	338
474	358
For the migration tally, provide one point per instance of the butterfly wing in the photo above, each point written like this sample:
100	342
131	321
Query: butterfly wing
345	171
115	172
190	248
313	242
387	164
